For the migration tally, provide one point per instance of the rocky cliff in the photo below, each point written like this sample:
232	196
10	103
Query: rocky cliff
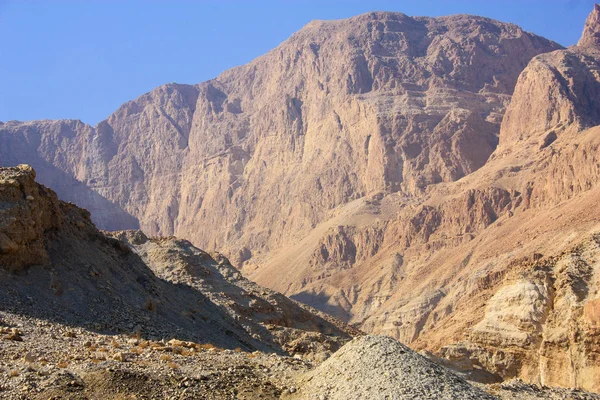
496	271
381	102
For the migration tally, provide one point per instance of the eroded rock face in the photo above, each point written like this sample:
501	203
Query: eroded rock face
379	102
27	212
540	323
557	92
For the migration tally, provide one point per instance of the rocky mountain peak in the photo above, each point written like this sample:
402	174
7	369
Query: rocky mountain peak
591	30
557	92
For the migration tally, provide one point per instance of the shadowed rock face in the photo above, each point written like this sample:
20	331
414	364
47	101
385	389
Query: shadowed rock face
379	102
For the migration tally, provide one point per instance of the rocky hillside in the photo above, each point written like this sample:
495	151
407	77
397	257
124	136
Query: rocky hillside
51	254
86	314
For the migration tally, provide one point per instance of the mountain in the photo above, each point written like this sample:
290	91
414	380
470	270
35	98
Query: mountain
431	179
496	271
343	109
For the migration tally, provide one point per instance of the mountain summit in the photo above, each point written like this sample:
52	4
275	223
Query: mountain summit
381	102
591	30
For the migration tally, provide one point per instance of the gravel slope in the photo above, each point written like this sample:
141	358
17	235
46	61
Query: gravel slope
379	367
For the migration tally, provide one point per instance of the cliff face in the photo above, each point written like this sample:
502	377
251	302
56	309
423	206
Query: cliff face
378	103
542	323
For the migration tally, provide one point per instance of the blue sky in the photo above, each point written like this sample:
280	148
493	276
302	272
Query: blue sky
82	59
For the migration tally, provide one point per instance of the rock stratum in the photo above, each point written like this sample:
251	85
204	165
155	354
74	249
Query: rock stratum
430	179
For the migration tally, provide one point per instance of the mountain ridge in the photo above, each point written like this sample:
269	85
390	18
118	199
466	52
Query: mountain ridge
180	140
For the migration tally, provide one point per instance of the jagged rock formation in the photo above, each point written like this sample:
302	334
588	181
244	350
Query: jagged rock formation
591	30
52	254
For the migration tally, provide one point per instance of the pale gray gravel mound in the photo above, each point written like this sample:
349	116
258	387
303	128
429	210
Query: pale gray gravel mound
379	367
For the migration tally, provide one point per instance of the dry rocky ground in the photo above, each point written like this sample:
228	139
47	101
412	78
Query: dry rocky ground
45	360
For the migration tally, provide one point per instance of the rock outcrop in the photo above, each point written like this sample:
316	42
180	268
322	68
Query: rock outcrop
541	322
28	212
591	30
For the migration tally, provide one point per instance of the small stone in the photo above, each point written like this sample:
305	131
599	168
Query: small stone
27	168
122	357
29	197
29	358
7	245
15	336
176	343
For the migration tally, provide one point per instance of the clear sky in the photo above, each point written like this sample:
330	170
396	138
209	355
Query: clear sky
82	59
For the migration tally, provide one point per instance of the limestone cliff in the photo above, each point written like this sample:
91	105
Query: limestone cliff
484	270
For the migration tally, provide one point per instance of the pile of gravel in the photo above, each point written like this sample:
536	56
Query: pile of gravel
379	367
